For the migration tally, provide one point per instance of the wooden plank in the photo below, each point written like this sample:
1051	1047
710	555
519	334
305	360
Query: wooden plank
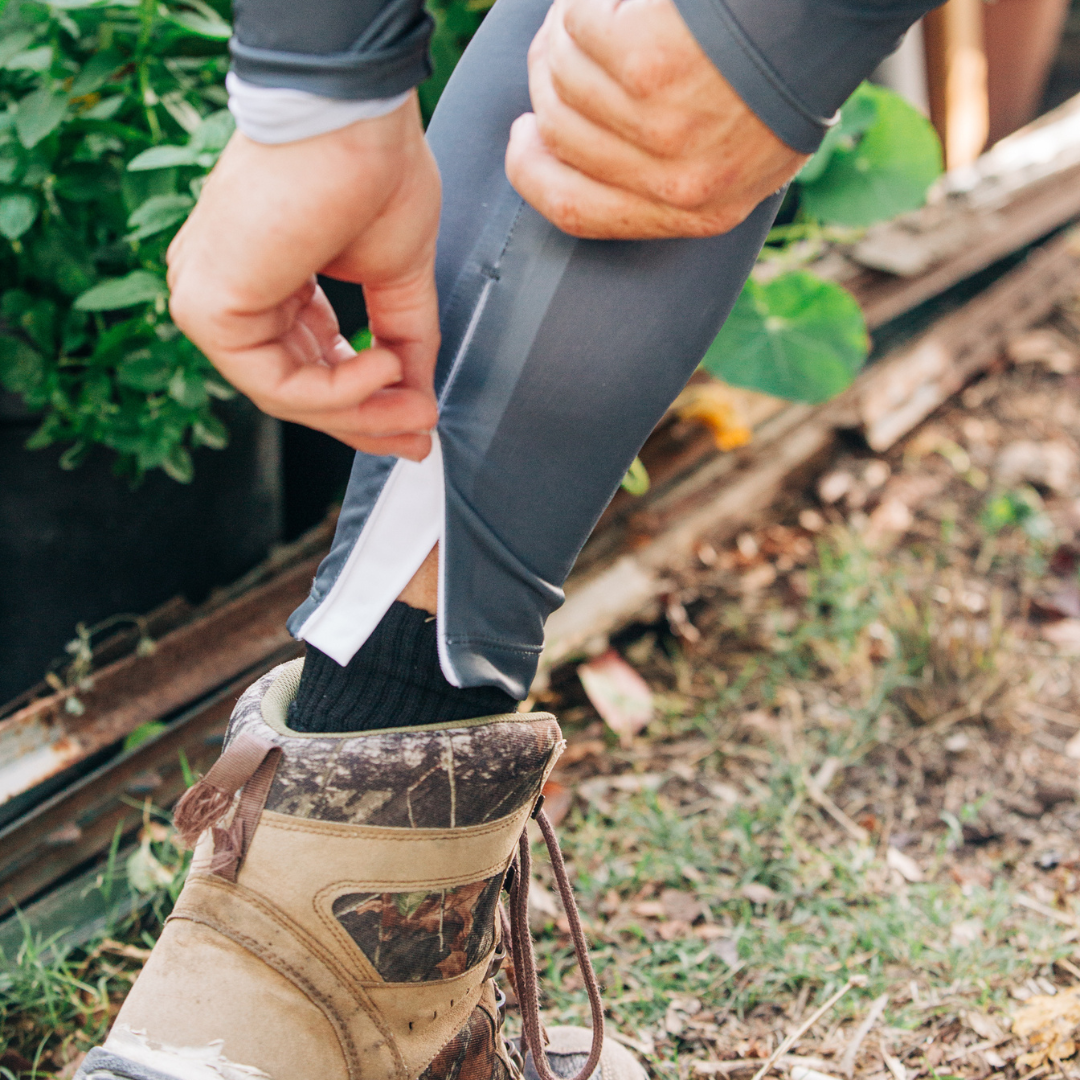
956	78
987	236
44	738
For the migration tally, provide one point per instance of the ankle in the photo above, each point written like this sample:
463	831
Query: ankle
393	681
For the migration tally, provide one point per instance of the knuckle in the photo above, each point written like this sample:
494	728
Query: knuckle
722	221
644	73
690	189
564	214
181	307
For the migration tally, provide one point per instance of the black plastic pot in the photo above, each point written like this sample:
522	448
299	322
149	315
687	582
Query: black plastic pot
80	546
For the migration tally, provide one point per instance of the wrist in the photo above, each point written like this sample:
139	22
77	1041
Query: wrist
275	115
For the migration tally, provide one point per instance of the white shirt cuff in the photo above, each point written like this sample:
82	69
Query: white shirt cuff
268	114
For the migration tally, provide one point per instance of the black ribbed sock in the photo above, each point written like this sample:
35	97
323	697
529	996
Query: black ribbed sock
393	681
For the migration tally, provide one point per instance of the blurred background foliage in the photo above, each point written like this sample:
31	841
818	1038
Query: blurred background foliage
113	112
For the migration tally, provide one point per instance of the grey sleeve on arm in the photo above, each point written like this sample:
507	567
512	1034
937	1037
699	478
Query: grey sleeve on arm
344	49
794	62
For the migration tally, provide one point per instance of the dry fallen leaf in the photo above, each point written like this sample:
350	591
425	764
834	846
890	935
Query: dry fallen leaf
1064	633
903	864
757	893
1049	1024
680	905
1043	346
965	932
618	693
714	405
558	799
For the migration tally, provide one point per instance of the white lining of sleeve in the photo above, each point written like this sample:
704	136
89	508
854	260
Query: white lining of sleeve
274	115
405	523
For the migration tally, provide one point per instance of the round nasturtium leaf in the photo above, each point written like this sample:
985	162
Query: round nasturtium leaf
877	172
795	337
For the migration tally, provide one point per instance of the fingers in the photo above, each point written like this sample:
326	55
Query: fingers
572	136
271	376
591	209
318	317
395	421
361	203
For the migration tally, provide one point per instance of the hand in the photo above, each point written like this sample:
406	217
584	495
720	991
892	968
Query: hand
360	204
636	135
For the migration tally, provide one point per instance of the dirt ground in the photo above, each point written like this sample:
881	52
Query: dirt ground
866	768
861	776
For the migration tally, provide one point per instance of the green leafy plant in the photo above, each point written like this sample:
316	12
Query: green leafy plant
793	334
94	92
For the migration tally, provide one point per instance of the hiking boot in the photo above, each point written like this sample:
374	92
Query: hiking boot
342	917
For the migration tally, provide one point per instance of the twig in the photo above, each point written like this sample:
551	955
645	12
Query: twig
989	1044
1042	909
723	1068
847	1062
1047	712
856	832
802	1029
1068	966
1036	1072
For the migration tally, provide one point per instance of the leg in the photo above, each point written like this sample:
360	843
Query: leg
559	356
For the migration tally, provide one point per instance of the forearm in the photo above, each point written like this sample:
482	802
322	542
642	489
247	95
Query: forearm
346	50
794	62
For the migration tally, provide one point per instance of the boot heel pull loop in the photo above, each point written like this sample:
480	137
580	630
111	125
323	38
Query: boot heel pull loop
524	961
248	763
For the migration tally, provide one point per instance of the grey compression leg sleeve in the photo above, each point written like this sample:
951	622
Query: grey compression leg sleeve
559	356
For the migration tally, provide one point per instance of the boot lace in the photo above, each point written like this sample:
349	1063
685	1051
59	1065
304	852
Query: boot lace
519	945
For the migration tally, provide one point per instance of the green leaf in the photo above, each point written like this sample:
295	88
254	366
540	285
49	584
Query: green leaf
361	340
210	431
18	212
74	455
873	175
178	465
105	109
146	370
163	157
857	115
22	367
796	337
188	388
636	481
149	730
214	132
13	44
39	59
96	72
75	5
8	168
138	287
158	213
46	434
216	28
38	115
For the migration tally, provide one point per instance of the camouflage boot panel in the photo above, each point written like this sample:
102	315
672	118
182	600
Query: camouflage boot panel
369	891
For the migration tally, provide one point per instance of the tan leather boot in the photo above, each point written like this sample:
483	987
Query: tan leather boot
340	920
